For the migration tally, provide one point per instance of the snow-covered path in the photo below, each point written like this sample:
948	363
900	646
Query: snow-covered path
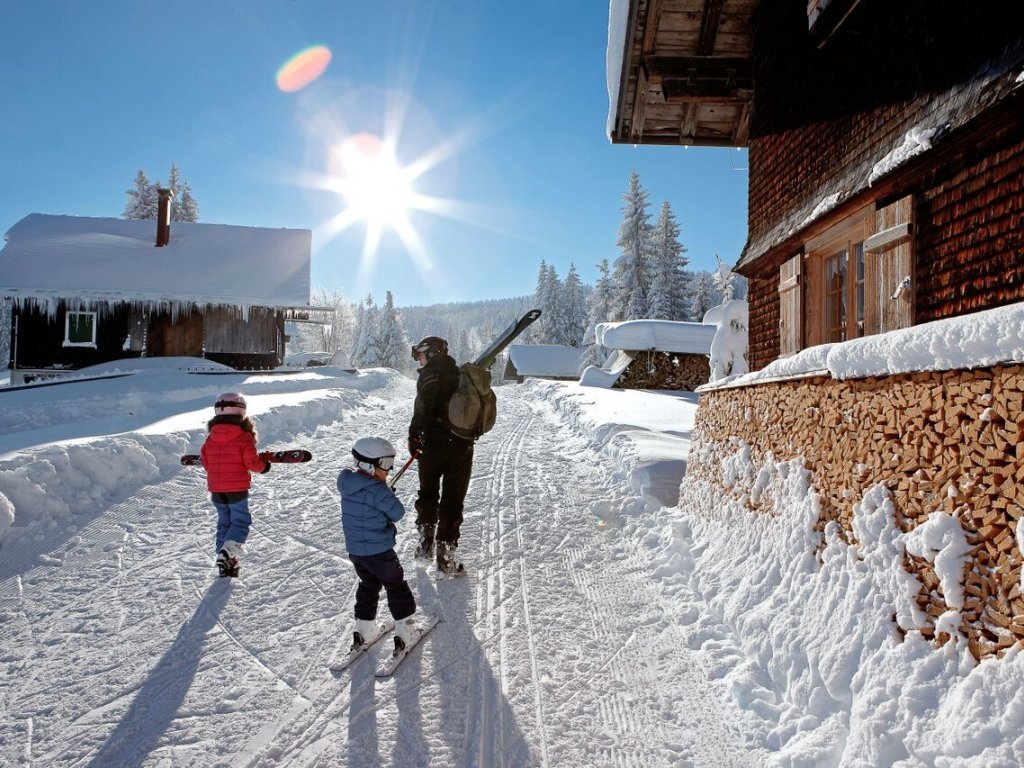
121	647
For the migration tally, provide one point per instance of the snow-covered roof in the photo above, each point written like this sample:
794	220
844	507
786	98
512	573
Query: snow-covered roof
545	360
660	335
49	257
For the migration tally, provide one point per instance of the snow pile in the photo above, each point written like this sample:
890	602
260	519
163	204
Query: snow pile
916	141
607	374
71	448
974	341
818	635
729	347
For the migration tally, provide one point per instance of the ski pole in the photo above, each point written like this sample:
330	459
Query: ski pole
405	467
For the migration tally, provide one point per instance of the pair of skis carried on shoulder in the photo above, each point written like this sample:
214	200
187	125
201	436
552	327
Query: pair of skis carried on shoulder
389	664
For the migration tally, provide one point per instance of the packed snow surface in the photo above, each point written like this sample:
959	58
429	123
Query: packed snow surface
601	623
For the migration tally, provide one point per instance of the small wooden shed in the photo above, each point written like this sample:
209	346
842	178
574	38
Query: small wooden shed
90	290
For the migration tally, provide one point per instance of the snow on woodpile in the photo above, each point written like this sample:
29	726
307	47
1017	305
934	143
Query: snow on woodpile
659	335
549	360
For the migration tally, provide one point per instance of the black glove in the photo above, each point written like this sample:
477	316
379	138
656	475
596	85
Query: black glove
265	455
415	446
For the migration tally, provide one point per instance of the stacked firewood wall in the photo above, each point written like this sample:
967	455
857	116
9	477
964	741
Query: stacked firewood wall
951	441
665	370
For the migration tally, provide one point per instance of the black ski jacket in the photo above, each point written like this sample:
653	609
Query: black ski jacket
436	382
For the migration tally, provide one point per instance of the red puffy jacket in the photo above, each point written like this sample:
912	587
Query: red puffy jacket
229	454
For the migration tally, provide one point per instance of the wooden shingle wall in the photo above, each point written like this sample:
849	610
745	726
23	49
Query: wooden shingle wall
950	441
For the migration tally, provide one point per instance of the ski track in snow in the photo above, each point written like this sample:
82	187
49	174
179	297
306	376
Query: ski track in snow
544	655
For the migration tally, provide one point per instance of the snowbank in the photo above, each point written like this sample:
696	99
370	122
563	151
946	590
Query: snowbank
660	335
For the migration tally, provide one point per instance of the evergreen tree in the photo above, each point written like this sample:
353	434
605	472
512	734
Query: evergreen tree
392	344
142	199
187	207
550	305
702	299
632	272
669	287
364	354
573	309
338	334
723	279
537	332
600	312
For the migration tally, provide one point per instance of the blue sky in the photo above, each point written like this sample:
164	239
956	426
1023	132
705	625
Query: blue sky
500	108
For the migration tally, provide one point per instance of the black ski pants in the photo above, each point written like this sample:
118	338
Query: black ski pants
445	467
374	572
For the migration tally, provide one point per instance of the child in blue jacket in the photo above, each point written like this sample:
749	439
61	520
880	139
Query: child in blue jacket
369	511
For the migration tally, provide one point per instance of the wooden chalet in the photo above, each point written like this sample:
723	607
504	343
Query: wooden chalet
92	290
886	150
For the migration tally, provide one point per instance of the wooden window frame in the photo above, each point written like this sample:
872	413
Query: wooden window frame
845	240
67	328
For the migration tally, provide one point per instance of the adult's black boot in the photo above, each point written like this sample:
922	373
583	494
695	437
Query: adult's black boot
425	547
448	560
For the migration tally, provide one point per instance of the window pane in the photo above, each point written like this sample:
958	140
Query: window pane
858	256
835	297
80	327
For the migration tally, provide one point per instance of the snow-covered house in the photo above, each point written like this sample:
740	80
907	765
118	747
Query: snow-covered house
885	145
886	206
91	290
653	354
542	361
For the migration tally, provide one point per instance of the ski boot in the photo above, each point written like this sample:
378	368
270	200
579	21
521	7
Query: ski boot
227	559
425	548
448	560
365	632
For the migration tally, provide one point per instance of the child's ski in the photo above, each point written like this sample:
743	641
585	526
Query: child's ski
390	664
292	456
356	651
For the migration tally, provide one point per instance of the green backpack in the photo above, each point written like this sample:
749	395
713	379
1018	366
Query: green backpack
473	406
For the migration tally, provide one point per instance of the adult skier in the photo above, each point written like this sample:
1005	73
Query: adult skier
445	459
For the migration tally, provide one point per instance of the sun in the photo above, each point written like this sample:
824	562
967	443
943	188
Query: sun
375	188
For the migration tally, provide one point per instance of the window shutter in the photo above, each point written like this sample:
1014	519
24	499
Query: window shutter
790	320
890	250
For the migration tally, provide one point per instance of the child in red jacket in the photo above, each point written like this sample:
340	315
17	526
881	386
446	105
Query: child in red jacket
229	455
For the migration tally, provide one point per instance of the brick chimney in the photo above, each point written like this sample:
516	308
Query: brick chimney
163	218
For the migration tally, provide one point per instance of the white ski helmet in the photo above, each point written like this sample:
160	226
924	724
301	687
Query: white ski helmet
229	404
373	452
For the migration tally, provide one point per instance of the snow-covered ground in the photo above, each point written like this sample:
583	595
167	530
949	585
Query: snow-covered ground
597	626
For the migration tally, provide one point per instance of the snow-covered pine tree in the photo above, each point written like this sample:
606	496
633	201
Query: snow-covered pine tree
550	303
600	307
723	280
701	300
142	199
537	332
669	287
188	208
392	343
573	309
364	353
632	269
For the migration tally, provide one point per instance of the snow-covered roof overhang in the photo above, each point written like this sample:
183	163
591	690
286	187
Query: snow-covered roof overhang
98	259
659	335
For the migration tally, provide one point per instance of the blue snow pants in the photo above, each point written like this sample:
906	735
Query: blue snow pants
233	518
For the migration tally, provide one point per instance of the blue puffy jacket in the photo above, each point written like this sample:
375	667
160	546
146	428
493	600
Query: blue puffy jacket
369	511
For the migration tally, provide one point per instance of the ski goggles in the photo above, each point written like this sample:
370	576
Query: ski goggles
386	462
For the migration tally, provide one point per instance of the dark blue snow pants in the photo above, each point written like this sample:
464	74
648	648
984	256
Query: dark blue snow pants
374	572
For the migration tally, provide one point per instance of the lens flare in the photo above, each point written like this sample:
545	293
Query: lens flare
303	68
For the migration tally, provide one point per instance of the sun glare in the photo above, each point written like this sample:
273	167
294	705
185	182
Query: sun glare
375	188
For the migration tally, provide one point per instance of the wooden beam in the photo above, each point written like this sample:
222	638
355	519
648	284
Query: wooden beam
741	135
735	71
710	19
639	114
678	92
887	238
651	21
688	125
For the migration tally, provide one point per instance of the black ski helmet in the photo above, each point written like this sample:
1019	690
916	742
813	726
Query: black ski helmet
430	346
